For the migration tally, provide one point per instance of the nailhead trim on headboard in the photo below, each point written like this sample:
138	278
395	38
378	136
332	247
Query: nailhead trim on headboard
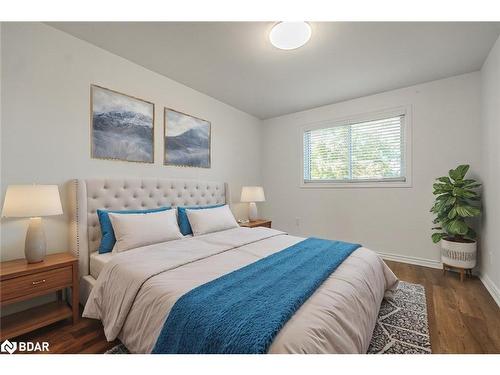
74	213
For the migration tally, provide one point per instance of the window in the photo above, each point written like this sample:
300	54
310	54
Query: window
363	152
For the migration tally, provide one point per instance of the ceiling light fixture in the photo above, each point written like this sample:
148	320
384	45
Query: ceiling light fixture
290	35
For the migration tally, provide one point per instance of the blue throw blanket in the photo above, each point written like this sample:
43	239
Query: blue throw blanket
242	312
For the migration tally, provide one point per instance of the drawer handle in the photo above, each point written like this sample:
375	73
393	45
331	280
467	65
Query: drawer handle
38	282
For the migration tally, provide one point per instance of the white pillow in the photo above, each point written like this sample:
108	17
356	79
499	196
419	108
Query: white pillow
136	230
211	220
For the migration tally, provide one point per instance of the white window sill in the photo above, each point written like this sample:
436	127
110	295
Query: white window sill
355	184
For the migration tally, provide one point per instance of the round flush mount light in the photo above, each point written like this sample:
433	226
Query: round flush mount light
290	35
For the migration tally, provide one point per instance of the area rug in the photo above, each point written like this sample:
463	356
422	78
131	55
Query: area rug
401	327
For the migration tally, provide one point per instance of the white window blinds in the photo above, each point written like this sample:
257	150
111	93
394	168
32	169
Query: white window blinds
367	151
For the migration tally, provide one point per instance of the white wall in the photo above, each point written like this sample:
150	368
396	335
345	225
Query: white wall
46	76
389	220
490	171
45	79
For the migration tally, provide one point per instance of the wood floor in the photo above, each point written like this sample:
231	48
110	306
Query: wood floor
463	317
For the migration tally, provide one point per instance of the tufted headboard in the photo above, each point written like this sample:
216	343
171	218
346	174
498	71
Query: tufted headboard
129	194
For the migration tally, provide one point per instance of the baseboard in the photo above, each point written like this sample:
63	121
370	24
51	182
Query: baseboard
411	260
490	287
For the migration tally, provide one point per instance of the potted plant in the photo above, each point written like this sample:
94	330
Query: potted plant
456	202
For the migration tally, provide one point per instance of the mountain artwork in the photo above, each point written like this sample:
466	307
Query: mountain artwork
187	140
122	126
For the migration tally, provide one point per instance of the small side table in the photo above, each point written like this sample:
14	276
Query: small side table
20	281
257	223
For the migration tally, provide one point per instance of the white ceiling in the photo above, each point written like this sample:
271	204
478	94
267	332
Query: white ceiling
235	63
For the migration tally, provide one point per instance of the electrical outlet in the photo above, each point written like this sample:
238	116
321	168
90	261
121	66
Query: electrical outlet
297	221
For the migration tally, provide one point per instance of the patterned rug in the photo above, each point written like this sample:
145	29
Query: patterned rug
401	327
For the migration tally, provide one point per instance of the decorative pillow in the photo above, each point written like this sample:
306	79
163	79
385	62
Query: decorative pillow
211	220
184	225
136	230
108	236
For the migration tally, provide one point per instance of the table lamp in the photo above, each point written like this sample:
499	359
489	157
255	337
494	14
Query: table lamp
252	194
33	201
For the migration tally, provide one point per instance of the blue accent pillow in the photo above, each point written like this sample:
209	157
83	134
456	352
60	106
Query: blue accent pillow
182	217
108	235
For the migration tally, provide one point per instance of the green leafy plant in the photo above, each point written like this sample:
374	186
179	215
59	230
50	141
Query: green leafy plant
456	202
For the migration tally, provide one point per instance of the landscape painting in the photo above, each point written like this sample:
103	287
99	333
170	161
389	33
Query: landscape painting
122	126
187	140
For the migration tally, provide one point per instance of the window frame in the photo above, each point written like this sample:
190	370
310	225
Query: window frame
378	183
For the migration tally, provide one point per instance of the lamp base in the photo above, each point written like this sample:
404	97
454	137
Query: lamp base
252	211
35	246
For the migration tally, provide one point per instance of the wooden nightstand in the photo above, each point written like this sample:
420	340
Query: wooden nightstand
20	281
257	223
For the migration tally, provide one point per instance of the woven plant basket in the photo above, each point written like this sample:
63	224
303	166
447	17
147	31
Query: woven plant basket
459	254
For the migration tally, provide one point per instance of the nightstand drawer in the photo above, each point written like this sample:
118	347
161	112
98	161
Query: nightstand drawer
29	285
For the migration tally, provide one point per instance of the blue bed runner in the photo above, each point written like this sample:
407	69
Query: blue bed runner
242	311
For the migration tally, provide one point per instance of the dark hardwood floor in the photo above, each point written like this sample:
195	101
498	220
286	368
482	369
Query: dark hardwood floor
463	317
85	337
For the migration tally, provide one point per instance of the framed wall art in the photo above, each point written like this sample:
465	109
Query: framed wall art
122	126
187	140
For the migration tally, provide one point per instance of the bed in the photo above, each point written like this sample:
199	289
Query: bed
133	292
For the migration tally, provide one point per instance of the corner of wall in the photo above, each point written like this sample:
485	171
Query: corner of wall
489	173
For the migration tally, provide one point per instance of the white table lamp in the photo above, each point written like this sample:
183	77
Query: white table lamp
33	201
252	194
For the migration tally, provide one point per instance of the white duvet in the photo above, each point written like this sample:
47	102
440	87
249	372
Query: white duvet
136	290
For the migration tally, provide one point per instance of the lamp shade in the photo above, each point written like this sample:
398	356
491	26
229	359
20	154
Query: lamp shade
32	201
252	194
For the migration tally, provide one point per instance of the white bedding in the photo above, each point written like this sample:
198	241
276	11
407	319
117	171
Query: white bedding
97	263
136	290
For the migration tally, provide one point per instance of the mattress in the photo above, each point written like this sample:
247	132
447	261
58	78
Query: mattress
97	263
